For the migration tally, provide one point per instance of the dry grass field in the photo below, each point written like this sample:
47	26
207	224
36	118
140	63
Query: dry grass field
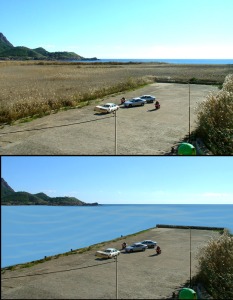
29	88
140	130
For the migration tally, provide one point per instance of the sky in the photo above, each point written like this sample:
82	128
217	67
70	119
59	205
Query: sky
124	179
122	28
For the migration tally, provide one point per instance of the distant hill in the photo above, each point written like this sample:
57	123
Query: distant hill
10	197
9	52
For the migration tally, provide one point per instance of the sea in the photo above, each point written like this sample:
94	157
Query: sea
170	61
30	233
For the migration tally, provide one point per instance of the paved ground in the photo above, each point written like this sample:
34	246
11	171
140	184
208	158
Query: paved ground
142	275
140	130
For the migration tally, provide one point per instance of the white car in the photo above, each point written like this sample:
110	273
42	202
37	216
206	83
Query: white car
107	253
148	98
106	108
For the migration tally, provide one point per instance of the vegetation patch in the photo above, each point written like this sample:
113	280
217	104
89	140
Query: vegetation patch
33	89
26	110
215	120
216	267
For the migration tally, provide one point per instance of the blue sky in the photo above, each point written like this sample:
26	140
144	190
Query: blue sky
122	29
124	180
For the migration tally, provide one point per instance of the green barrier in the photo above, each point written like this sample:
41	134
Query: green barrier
187	293
186	149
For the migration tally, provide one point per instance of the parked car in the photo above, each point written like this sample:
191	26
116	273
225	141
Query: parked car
148	98
134	102
107	253
107	108
149	243
136	247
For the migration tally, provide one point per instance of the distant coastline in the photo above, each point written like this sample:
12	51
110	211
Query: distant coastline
162	60
11	198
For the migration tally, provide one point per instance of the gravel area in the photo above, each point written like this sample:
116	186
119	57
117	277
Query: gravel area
140	130
141	275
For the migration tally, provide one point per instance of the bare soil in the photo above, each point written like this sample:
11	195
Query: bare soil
141	275
135	131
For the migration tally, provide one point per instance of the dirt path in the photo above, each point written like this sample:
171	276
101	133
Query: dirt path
140	130
142	275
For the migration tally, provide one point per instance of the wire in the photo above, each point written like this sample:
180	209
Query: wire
58	271
64	125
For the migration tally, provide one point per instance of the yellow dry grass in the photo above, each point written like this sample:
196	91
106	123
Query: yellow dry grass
30	88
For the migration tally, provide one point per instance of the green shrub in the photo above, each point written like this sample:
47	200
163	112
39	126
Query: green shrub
216	267
215	119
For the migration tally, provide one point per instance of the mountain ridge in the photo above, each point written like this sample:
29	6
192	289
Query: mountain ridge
10	52
10	197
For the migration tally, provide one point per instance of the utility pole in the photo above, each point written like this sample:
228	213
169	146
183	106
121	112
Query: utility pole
190	246
189	113
116	278
115	132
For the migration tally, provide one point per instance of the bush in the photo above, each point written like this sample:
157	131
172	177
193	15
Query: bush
216	267
215	119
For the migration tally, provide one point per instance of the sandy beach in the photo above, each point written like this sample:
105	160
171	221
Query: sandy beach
141	275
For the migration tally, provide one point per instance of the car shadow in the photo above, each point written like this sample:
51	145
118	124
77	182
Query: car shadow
149	110
103	114
100	114
130	252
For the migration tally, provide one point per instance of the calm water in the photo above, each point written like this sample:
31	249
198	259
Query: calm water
31	232
172	61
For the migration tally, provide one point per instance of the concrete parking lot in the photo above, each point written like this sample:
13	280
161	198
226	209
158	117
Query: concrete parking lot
135	131
141	275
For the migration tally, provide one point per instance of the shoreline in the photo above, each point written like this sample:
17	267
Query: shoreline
102	244
86	277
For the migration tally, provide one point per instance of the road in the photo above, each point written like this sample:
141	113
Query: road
135	131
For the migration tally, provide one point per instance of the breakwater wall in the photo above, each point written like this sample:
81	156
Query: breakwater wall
189	227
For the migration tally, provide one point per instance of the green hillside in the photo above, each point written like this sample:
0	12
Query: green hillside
8	51
23	52
10	197
41	51
22	198
4	46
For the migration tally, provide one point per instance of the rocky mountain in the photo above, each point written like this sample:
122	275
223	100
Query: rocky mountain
5	188
9	52
10	197
4	41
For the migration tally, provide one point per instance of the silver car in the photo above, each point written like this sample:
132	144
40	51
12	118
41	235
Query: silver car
136	247
148	98
134	102
149	243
